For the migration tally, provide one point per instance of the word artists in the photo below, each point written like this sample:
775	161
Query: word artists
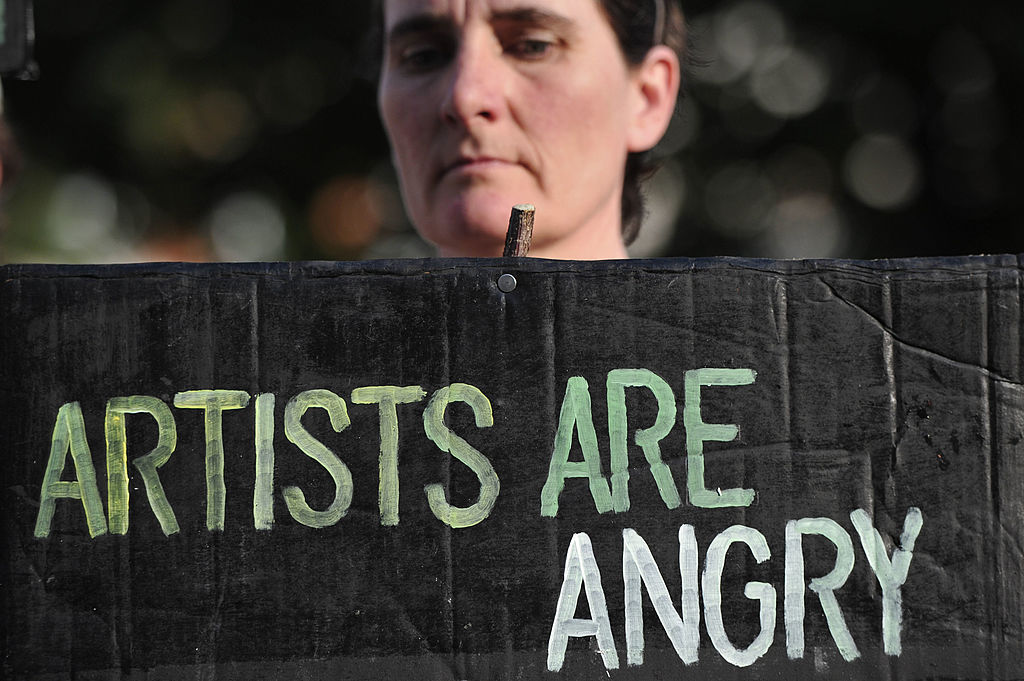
69	437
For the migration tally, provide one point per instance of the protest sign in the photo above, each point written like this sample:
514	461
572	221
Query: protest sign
506	469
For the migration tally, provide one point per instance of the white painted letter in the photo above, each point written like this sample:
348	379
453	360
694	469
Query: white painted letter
823	586
891	574
581	570
712	585
638	566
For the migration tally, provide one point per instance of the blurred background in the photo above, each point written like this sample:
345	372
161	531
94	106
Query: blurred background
226	130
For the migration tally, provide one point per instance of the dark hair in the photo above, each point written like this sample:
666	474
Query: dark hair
639	25
10	156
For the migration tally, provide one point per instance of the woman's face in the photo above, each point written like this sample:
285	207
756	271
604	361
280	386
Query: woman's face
490	103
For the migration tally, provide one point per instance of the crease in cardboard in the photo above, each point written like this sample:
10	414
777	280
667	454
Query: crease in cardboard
990	405
888	331
448	587
549	336
896	427
121	627
783	322
254	334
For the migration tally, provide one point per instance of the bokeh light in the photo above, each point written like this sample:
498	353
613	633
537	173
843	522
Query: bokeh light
665	195
882	172
736	38
247	226
789	82
346	215
805	225
83	213
217	125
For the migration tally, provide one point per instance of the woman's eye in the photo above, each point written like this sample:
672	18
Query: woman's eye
422	57
532	48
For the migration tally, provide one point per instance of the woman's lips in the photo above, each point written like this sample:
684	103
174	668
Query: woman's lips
476	164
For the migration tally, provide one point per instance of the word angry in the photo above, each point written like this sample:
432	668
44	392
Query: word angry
640	571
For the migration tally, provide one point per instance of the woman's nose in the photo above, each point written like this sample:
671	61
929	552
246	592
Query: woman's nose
475	87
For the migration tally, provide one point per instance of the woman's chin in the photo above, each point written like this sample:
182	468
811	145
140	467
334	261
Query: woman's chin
475	227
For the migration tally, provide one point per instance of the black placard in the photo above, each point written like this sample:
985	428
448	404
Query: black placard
858	424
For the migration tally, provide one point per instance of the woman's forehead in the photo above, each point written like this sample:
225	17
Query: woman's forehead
458	10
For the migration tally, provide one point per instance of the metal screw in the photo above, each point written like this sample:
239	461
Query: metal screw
507	283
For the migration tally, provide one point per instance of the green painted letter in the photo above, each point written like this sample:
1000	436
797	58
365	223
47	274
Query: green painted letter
647	438
387	397
213	403
576	415
263	490
69	433
314	449
698	432
117	461
447	441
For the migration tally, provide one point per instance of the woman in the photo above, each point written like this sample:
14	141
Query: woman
490	103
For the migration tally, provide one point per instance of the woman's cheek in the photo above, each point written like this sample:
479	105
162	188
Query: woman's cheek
403	109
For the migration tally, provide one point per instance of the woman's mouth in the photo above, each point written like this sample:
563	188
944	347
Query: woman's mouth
472	165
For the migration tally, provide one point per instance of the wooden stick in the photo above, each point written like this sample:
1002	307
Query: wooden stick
520	230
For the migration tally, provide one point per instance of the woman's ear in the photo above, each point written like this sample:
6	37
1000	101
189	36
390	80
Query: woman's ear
655	89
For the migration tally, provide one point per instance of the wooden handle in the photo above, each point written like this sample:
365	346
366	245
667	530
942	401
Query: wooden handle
520	230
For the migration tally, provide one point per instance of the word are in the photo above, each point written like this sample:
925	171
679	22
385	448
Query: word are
640	570
576	415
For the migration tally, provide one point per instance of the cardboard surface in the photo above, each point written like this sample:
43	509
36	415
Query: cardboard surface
882	401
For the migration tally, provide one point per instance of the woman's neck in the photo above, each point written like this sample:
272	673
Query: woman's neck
599	239
584	245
